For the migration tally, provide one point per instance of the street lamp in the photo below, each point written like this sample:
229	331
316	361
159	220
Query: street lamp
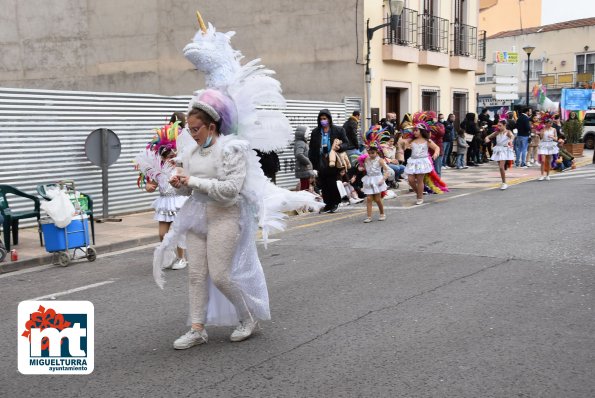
396	7
528	50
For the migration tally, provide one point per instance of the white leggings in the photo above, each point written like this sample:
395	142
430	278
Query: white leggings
212	255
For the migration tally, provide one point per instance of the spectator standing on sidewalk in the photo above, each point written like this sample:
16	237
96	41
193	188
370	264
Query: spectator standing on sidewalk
502	152
351	132
523	126
462	147
320	147
303	167
449	138
472	137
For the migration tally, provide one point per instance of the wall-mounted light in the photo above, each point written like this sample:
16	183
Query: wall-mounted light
586	48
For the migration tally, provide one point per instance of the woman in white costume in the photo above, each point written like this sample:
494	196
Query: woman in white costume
502	152
548	146
230	197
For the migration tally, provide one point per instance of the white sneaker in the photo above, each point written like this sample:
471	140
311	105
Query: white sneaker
354	201
529	163
367	220
244	330
503	186
382	217
190	339
419	201
180	263
537	164
547	178
541	178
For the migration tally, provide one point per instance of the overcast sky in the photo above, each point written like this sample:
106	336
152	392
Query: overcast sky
553	11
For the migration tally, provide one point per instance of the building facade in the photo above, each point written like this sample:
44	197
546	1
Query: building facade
429	60
502	15
564	57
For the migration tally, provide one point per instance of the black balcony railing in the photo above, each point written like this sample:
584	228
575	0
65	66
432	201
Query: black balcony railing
404	31
433	35
464	40
481	46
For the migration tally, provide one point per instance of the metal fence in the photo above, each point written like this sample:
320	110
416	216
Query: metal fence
43	132
404	31
433	33
464	40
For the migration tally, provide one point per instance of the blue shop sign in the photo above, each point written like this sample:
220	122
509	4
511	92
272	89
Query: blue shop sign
576	99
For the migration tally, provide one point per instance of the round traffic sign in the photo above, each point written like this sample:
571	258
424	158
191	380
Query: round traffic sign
102	147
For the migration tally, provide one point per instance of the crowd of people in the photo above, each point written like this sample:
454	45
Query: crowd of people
329	164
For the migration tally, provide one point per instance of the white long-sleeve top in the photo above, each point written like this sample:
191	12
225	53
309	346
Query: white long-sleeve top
218	171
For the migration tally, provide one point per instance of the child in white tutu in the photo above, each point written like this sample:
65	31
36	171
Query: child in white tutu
374	182
157	164
548	146
503	151
419	163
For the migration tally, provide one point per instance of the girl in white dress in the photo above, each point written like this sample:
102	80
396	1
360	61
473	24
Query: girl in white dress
548	146
374	183
156	163
419	163
503	151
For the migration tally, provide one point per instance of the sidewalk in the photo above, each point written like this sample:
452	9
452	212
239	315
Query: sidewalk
140	228
134	230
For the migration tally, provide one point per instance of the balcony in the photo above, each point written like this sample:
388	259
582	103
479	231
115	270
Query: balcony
463	47
481	53
433	41
400	40
567	80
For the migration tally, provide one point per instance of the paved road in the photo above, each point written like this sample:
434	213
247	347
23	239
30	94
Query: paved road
481	293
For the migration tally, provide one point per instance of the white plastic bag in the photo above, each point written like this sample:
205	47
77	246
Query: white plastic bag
60	208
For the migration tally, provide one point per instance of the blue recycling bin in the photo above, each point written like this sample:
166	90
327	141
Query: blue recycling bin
75	235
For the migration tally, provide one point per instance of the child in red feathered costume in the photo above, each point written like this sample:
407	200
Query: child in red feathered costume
420	166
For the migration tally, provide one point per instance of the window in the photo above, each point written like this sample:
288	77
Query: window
585	63
430	99
460	106
536	69
489	75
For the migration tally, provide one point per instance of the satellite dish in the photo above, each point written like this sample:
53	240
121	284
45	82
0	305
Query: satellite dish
103	149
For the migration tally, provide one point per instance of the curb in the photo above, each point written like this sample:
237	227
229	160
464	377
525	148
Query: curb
7	267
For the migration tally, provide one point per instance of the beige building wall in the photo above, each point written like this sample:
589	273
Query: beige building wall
411	77
555	52
501	15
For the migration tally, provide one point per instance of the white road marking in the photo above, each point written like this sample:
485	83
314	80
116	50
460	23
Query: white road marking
573	175
27	270
66	292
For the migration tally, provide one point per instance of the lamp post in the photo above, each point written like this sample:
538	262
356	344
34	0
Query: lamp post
396	7
528	50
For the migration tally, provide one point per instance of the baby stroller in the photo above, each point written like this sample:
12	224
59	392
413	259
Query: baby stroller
3	251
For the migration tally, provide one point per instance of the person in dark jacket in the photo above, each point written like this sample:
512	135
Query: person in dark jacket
350	127
523	126
449	138
303	166
269	162
469	125
320	146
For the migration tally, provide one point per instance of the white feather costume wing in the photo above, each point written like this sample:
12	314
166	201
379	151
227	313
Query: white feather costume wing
249	86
